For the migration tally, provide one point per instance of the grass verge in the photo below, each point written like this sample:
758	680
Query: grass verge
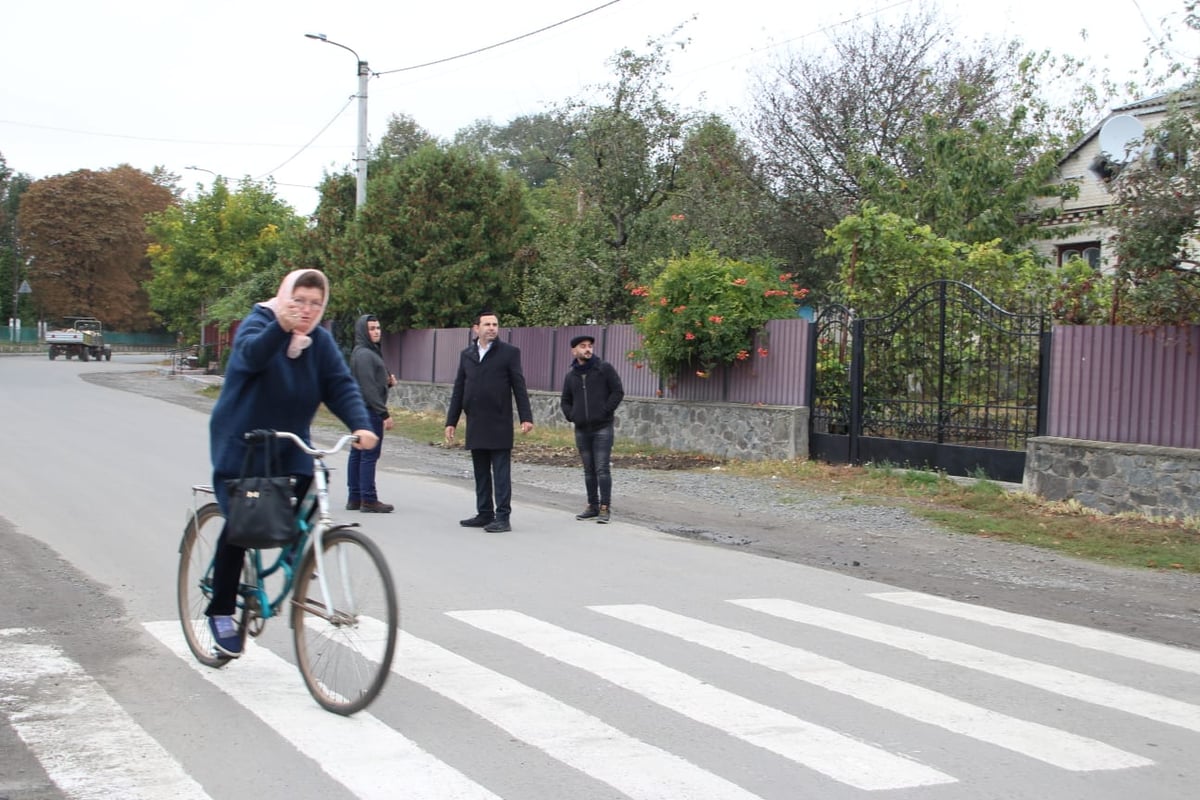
980	507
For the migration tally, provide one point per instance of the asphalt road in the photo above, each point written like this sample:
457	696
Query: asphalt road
850	536
563	660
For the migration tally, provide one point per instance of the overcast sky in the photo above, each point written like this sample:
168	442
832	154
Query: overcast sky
237	89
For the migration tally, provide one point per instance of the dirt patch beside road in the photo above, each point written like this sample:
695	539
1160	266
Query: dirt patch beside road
873	541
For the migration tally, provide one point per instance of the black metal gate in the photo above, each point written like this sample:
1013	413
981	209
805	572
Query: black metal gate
829	386
947	381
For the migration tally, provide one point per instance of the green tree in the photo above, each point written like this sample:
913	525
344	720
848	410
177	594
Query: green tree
533	145
566	282
623	164
403	137
12	186
214	256
719	200
86	234
972	182
444	233
884	257
954	134
820	113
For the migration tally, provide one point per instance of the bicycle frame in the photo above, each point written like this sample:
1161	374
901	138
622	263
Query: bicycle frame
310	529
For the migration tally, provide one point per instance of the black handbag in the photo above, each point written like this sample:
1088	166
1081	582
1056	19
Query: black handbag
262	510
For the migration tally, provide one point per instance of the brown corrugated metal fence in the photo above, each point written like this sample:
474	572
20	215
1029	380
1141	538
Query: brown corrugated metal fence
1126	384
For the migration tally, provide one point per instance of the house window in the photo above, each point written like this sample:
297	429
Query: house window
1088	251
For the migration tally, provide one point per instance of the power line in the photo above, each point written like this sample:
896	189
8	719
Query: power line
134	138
499	44
308	144
443	61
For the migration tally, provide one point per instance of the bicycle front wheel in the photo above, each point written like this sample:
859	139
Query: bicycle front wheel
344	641
194	582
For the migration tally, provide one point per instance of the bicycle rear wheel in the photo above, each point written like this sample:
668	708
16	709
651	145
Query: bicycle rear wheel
345	652
194	582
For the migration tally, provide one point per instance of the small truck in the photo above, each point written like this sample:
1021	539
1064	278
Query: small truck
84	340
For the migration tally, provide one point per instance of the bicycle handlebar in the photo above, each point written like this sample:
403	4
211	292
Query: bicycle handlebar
262	435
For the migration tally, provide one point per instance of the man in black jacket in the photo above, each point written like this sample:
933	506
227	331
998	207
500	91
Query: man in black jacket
489	379
591	392
366	364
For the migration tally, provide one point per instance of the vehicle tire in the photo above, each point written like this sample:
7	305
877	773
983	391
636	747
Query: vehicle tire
194	582
345	655
83	355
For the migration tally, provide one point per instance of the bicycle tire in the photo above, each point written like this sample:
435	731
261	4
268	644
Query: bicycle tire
196	551
345	655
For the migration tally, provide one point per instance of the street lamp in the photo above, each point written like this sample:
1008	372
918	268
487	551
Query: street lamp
216	175
360	159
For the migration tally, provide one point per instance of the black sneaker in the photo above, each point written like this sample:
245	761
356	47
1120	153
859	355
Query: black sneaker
497	526
225	635
353	505
602	515
591	512
477	521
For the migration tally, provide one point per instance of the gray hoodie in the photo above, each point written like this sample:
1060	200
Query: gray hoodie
366	364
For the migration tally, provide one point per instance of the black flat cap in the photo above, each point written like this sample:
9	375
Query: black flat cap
587	337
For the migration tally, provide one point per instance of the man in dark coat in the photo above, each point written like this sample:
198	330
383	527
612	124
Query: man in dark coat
489	379
591	392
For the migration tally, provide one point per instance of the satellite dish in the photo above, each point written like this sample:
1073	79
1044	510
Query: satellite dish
1121	138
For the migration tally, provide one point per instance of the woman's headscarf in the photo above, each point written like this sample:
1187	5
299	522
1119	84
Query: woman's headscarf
300	339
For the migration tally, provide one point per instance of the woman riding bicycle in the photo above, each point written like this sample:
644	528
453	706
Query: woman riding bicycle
282	368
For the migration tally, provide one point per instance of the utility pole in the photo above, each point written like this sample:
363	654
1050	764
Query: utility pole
360	157
360	188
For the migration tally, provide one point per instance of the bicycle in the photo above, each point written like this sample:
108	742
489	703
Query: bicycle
344	613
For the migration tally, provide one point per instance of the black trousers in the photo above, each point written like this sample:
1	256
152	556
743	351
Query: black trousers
228	560
493	480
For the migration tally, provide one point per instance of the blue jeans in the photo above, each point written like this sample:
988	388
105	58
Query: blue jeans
360	469
595	450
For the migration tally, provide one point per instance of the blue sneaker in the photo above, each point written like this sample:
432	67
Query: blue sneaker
225	635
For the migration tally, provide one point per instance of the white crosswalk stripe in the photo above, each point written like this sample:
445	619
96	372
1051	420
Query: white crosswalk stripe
1067	683
271	688
91	748
1062	749
828	752
637	769
1103	641
88	745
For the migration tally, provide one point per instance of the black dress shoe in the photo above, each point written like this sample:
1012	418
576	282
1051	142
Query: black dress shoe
477	521
497	526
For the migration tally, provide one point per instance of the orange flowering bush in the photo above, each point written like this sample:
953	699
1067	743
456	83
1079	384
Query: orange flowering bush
704	311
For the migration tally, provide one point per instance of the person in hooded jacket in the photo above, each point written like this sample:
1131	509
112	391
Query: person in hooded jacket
591	392
366	364
281	369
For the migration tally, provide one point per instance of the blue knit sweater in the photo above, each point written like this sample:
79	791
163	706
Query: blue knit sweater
264	388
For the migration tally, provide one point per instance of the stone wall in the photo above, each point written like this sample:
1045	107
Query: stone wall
725	430
1112	477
